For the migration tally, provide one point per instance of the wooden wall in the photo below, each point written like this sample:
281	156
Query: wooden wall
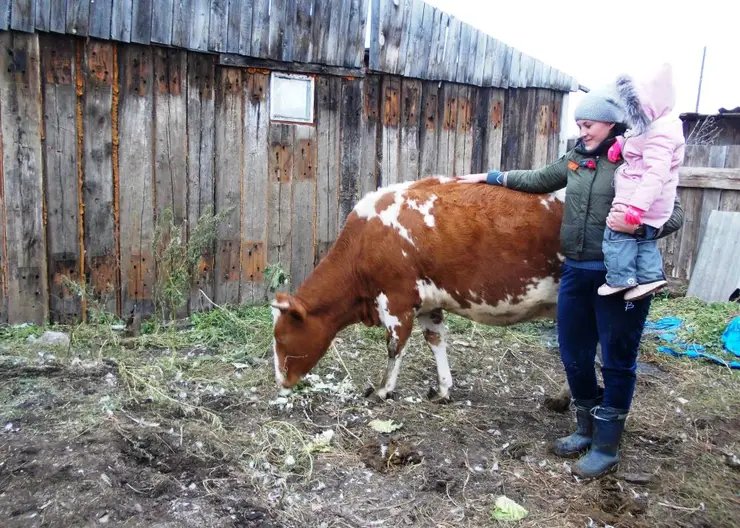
700	195
98	138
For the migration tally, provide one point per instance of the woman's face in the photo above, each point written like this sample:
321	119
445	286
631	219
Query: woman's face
593	132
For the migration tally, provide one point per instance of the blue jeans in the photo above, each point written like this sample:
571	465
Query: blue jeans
632	260
586	318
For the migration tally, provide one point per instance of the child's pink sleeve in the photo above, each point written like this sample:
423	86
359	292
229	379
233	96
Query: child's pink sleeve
657	155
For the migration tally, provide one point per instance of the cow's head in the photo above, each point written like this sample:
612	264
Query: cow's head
299	340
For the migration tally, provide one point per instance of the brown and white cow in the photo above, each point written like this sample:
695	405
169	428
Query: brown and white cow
413	250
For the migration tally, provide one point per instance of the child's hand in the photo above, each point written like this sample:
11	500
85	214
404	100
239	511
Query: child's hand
633	215
614	152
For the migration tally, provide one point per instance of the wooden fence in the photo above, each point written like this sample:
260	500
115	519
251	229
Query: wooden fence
98	138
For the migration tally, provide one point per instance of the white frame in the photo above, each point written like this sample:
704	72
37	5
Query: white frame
311	95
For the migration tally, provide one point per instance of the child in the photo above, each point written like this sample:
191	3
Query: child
645	184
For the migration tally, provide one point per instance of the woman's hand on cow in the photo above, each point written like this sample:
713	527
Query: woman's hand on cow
616	220
472	178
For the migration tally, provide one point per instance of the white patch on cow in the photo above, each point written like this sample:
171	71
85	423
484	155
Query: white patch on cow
365	208
440	354
279	378
561	257
275	315
545	203
404	253
388	320
424	209
539	300
473	295
391	375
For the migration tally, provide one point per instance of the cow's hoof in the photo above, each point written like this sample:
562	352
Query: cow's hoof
435	397
559	405
379	395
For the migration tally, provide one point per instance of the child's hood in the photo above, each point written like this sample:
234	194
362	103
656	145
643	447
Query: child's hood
646	100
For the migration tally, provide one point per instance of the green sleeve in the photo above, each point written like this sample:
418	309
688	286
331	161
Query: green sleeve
675	222
547	179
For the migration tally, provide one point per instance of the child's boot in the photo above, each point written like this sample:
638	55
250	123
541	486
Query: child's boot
643	290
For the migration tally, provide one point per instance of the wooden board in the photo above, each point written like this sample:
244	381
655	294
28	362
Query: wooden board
447	129
254	219
78	16
261	28
43	14
218	25
279	208
717	274
26	265
543	103
391	119
303	213
162	21
303	32
369	157
4	22
428	129
201	151
494	130
141	21
691	201
228	168
121	20
328	93
464	133
408	162
181	21
480	123
99	64
3	259
22	15
136	187
351	147
709	178
200	25
58	71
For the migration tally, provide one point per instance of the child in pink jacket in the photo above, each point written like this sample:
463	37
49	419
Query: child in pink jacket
645	184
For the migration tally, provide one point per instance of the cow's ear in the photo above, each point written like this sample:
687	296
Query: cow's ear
289	305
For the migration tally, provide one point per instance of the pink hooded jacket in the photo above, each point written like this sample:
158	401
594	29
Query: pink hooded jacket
653	148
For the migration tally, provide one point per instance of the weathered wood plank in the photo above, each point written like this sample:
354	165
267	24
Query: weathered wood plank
304	204
200	24
229	167
182	14
141	22
348	53
435	44
461	164
369	158
63	249
218	25
447	129
394	15
240	61
3	256
423	46
279	208
378	27
289	14
98	189
542	128
709	178
691	201
101	12
391	119
328	93
717	274
43	14
201	151
732	161
509	147
245	27
136	194
255	185
429	129
481	103
448	70
20	93
22	15
359	59
303	32
334	37
481	50
4	24
320	31
413	54
162	21
351	147
463	59
121	20
278	29
409	130
78	15
494	130
260	28
234	23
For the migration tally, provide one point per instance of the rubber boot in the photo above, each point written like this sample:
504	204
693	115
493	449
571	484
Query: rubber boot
603	457
574	444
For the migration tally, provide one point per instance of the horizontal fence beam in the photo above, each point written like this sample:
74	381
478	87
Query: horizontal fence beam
709	178
227	59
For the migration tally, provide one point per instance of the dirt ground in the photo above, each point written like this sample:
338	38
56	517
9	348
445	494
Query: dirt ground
184	428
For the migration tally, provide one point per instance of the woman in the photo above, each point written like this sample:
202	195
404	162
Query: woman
584	317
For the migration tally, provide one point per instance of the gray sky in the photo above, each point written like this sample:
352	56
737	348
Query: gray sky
595	41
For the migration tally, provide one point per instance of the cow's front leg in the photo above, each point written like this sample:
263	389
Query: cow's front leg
432	324
396	337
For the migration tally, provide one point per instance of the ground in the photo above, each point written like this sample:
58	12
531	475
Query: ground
182	426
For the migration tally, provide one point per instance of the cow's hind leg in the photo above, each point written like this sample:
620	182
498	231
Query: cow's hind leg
396	338
432	323
561	401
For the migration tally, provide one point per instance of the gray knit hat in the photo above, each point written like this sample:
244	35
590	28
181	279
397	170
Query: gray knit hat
600	105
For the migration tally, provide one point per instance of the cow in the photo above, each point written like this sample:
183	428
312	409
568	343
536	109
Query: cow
413	250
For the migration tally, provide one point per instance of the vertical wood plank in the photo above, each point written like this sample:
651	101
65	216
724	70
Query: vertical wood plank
730	200
136	194
304	204
447	129
351	147
542	130
391	119
43	14
22	15
280	34
461	148
320	31
260	28
4	24
414	35
200	25
58	69
101	12
464	56
233	27
333	36
20	96
409	130
406	37
141	22
288	32
121	20
229	166
348	54
510	125
162	21
218	25
481	51
369	158
303	32
201	151
280	202
448	69
423	46
245	28
378	26
182	14
256	173
428	129
3	227
481	97
98	190
494	130
489	62
78	16
691	201
359	59
328	93
392	33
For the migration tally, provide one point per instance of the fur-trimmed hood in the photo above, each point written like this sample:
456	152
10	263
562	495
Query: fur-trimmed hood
647	100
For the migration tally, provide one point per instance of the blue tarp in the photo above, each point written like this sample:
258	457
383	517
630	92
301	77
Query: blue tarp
665	328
